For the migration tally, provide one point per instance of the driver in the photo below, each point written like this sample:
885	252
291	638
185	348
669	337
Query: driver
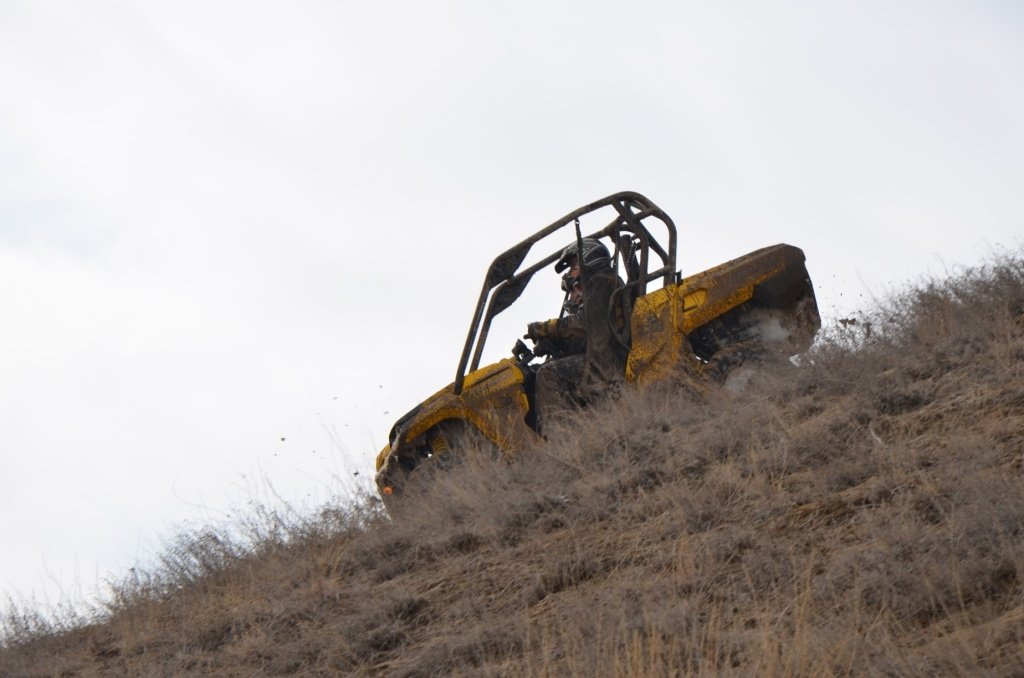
583	360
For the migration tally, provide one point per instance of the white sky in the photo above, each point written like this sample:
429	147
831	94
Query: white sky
227	223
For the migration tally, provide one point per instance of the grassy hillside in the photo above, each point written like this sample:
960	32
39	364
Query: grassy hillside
862	513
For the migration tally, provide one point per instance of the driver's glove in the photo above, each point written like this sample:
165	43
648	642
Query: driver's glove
541	329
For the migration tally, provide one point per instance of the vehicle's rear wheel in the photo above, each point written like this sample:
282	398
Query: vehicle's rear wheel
750	336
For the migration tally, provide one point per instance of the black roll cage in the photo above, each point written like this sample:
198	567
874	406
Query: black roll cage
504	282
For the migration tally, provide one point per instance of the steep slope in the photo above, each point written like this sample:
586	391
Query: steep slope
861	513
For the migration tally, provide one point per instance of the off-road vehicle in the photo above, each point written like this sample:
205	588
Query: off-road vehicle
694	327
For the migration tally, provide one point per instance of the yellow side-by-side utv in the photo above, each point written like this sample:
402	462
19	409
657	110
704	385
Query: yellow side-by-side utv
763	300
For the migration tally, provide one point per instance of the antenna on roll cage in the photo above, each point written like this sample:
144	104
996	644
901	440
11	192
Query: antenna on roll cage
579	255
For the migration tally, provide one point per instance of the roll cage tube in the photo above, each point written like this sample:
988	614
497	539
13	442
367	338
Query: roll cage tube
504	282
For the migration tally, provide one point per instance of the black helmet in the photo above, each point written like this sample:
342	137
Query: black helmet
594	254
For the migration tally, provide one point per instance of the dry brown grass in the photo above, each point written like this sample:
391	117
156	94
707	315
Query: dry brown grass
860	514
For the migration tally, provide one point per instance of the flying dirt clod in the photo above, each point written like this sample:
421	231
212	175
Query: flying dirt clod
691	331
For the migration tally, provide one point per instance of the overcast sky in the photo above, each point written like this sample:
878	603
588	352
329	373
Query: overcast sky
238	239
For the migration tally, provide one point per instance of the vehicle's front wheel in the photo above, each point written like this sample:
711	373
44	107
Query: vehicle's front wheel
450	445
